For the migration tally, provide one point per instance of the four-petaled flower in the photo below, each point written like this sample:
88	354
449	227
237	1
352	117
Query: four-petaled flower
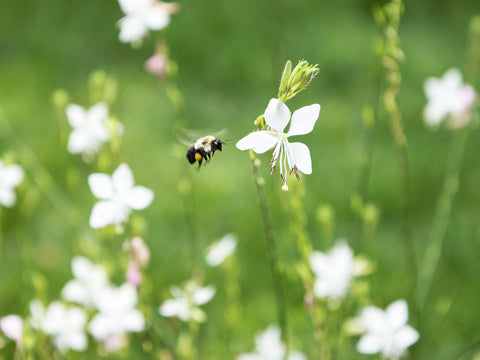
90	128
117	316
186	302
141	16
294	155
269	346
118	197
10	177
386	331
448	96
220	250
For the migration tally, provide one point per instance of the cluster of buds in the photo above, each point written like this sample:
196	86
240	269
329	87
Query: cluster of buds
139	257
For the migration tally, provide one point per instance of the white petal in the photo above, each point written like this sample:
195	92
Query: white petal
302	157
131	29
139	198
101	186
81	266
303	120
12	327
452	78
130	6
397	314
258	141
122	178
75	291
203	295
11	175
277	115
319	263
405	337
177	307
249	356
369	344
98	112
296	355
81	141
157	18
76	115
103	214
374	319
133	321
7	197
75	341
99	327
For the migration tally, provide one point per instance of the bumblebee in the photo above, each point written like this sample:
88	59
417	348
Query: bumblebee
203	149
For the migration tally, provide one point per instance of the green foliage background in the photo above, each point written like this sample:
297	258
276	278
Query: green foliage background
230	56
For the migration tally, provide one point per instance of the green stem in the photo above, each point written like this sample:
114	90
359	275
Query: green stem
271	252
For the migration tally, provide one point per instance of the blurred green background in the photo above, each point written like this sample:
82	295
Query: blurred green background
230	56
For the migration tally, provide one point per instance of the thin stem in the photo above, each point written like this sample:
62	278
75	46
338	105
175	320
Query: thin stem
271	252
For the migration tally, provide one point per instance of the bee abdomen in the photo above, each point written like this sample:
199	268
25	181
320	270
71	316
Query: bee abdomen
191	154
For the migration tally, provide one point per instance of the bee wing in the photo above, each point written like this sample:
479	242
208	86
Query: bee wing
190	136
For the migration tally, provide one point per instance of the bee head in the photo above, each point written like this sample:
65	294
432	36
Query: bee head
217	144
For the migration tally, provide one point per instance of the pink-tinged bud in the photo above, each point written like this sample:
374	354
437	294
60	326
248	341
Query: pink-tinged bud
133	275
12	327
157	65
139	251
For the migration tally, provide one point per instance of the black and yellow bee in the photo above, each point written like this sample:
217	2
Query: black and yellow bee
203	149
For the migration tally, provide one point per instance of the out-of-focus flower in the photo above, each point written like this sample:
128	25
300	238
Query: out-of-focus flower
294	155
269	346
386	331
333	271
90	128
12	327
139	251
157	64
133	275
185	303
448	96
220	250
65	325
143	15
117	316
88	280
10	177
118	197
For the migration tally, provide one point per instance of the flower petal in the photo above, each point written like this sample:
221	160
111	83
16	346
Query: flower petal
373	319
258	141
369	344
131	29
98	112
7	197
76	115
157	18
102	214
12	175
302	158
203	295
12	327
122	178
101	186
397	314
405	337
303	120
277	115
130	6
139	197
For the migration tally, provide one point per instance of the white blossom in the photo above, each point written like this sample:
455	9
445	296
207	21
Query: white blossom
12	327
141	16
333	271
117	316
269	346
220	250
185	303
88	280
65	325
386	331
294	155
118	196
448	97
10	177
90	128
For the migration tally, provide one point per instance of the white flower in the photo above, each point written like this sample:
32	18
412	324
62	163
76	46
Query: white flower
89	279
269	346
220	250
12	327
64	324
386	331
448	96
10	177
296	155
118	197
141	16
185	303
90	128
117	315
333	271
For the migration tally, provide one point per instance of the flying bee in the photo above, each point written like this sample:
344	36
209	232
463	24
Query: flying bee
203	149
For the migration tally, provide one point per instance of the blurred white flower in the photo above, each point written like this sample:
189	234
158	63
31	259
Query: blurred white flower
386	331
448	96
333	271
65	325
185	303
117	316
88	280
12	327
141	16
90	128
296	155
10	177
269	346
118	197
220	250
